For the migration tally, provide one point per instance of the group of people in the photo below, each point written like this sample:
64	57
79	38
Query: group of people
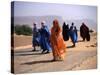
41	37
54	40
70	33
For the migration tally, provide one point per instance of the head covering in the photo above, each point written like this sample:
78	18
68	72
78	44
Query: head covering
35	23
65	23
56	26
43	22
55	23
72	23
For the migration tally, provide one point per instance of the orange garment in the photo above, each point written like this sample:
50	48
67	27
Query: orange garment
57	43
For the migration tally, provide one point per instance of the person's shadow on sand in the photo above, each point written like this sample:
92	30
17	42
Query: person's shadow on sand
25	53
71	46
37	62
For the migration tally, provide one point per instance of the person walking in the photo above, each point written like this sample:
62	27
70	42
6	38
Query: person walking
57	42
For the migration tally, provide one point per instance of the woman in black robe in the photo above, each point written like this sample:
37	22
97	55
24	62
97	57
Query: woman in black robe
84	32
65	32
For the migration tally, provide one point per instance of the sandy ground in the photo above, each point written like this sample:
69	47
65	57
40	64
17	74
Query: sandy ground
82	57
22	41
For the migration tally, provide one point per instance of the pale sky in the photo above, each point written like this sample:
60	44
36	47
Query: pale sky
66	11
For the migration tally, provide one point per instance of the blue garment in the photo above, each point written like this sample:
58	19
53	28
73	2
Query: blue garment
45	38
73	34
76	35
36	37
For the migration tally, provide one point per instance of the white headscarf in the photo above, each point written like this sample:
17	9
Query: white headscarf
43	22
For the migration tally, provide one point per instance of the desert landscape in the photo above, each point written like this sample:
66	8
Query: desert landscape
81	57
24	17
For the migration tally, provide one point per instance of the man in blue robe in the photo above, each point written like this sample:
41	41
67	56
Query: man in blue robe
36	37
45	38
73	35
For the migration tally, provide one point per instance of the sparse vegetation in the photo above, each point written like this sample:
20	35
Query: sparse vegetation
23	30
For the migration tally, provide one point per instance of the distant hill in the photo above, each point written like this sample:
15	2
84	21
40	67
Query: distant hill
30	19
49	19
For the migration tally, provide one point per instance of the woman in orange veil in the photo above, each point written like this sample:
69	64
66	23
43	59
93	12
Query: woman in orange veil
57	42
